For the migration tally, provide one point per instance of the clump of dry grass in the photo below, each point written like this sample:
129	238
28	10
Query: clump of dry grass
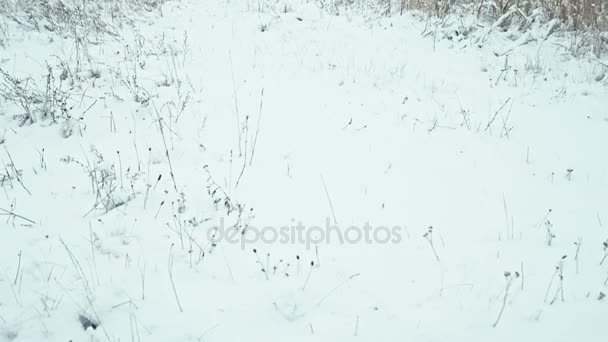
584	21
76	17
574	14
579	14
48	103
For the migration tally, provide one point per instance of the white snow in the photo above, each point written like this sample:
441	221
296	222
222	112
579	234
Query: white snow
393	127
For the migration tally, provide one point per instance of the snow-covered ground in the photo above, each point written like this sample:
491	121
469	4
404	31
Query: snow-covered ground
217	112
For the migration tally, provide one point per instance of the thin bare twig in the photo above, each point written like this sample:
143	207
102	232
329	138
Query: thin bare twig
329	200
255	139
162	133
16	172
496	114
170	270
10	213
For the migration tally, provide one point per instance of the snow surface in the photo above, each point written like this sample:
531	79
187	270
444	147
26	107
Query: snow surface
393	127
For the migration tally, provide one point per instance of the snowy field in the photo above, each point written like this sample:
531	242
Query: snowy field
122	154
